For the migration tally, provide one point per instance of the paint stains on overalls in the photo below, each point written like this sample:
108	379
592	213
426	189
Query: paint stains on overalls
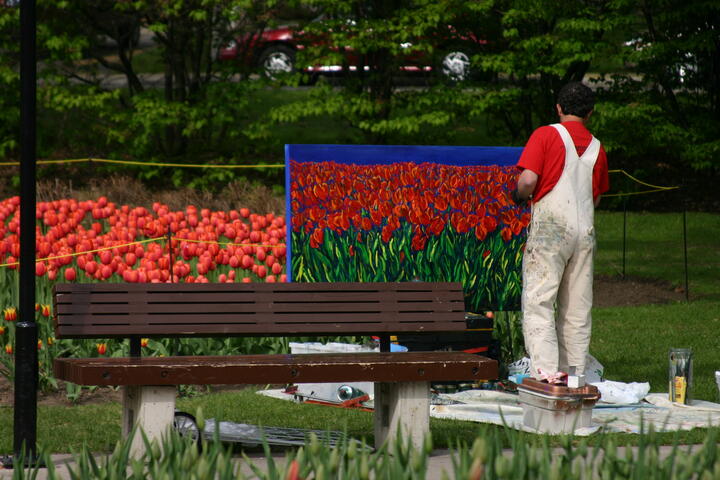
558	267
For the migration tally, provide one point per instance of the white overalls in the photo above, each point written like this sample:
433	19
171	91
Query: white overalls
558	266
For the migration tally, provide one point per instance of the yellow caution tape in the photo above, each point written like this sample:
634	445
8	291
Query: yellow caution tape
131	162
655	188
77	254
229	243
161	239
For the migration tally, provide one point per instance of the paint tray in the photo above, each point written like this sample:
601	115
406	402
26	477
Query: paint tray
556	409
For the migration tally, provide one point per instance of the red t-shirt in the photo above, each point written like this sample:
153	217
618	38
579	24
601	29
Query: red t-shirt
544	154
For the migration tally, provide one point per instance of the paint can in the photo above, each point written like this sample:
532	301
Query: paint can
680	375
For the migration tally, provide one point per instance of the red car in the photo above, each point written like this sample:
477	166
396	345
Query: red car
274	52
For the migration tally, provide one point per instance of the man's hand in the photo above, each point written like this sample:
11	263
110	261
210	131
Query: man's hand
525	187
515	197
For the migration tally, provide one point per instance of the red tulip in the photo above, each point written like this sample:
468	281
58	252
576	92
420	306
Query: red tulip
10	314
202	268
90	267
101	348
506	234
40	269
70	274
105	257
419	241
270	261
318	235
106	272
261	271
437	225
130	259
8	349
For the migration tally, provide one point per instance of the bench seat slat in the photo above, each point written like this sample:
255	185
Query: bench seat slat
259	287
208	307
277	369
263	318
220	329
244	296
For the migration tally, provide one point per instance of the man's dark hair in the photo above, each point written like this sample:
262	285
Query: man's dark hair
576	99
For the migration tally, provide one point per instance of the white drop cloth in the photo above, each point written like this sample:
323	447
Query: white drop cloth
486	406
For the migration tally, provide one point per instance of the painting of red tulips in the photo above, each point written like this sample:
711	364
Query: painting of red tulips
401	213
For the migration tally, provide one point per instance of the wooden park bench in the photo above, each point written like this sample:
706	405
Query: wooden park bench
156	310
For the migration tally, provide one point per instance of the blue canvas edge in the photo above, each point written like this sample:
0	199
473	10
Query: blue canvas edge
288	225
388	154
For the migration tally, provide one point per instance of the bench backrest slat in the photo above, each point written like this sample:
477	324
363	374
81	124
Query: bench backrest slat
161	310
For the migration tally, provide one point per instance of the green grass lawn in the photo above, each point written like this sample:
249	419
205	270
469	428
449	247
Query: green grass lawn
631	342
654	249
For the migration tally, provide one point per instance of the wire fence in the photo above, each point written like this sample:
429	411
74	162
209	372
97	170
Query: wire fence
653	188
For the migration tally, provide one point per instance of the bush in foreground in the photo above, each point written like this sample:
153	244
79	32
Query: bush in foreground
529	457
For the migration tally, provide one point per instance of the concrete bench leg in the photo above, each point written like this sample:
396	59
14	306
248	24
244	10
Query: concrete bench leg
406	404
151	408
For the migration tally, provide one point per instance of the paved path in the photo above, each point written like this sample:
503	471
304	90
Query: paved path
439	461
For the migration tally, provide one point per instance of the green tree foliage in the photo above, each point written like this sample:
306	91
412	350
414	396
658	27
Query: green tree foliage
655	65
526	51
9	78
666	105
540	45
383	37
196	111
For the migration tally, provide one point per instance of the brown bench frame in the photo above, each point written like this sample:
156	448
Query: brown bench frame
133	310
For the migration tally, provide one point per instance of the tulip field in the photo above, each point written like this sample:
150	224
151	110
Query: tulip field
97	241
405	221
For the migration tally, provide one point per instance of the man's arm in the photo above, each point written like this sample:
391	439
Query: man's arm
601	182
525	187
526	184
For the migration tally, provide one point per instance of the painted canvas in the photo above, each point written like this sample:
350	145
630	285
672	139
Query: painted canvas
404	213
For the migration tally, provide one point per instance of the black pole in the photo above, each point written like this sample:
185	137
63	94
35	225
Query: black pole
624	241
26	356
687	286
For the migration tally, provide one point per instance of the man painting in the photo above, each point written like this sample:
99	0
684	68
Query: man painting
564	172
